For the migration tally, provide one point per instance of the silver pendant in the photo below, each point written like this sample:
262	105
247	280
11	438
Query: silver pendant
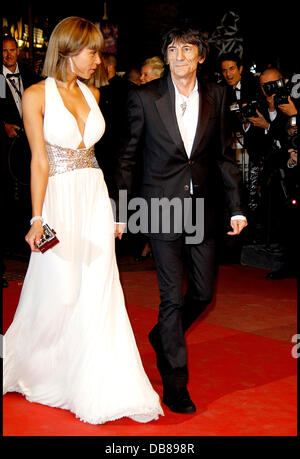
183	107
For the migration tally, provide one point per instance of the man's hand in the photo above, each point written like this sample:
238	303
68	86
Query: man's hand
293	159
237	226
12	130
119	230
259	121
288	109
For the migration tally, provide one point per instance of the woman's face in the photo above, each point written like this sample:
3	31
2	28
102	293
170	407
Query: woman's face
85	63
146	74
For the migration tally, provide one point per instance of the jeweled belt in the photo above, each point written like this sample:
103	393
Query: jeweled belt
66	159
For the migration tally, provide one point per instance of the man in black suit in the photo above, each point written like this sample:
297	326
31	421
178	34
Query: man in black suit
113	105
16	153
18	78
243	88
180	123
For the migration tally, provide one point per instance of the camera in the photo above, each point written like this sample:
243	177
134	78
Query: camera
282	96
271	87
280	89
293	138
247	110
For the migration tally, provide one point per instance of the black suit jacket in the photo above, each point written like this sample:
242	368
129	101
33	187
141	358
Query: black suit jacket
167	169
249	89
8	109
16	153
254	138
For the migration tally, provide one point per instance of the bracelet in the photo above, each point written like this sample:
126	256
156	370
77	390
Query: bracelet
36	218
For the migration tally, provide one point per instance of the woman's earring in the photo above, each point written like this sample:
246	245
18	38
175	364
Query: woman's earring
71	65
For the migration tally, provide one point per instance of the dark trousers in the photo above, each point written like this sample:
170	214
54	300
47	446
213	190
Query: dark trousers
178	311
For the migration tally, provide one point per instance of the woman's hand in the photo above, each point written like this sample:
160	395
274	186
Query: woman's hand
34	235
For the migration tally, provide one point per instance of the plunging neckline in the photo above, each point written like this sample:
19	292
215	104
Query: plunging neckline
68	111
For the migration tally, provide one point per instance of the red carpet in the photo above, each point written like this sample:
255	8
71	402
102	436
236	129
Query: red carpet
243	378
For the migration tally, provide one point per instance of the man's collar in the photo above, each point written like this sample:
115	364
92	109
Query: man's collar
5	70
238	86
195	90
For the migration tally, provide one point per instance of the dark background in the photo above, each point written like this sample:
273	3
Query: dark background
269	29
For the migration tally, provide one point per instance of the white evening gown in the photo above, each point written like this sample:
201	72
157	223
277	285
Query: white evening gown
70	344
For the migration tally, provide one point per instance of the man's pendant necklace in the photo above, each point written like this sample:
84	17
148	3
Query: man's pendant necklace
183	107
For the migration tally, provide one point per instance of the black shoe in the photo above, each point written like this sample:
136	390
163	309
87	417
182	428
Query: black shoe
179	402
143	257
176	395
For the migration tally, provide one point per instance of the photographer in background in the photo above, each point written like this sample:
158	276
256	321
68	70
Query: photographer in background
16	152
243	90
289	179
280	106
279	183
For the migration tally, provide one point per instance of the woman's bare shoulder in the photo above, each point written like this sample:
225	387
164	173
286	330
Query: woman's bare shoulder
33	98
35	90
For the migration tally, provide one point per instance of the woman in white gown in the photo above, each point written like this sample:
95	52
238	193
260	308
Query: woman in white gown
70	344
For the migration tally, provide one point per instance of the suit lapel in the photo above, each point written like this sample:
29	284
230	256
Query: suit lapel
166	108
204	113
13	109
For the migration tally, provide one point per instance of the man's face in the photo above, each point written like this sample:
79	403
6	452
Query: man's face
10	54
146	74
231	72
183	59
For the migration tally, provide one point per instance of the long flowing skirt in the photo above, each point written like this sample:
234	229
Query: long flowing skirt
71	344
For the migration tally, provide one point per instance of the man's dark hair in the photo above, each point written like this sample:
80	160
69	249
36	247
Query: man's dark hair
10	38
186	35
230	57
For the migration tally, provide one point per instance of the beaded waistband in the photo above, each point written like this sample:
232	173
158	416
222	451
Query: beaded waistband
66	159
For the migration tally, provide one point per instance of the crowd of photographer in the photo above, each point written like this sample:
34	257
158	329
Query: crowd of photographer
265	119
265	126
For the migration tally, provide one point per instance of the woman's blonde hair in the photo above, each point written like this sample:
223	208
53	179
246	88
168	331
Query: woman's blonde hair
156	65
69	37
100	77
